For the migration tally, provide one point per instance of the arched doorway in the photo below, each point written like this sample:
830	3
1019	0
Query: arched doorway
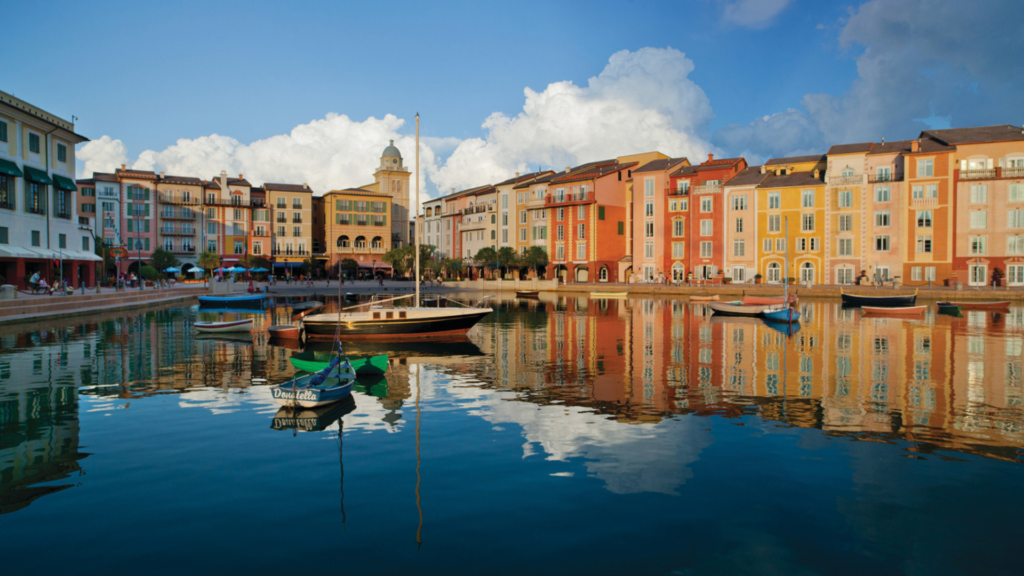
678	272
807	272
377	242
562	273
774	273
602	274
343	241
582	274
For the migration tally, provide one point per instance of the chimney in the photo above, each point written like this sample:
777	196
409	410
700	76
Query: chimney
915	145
304	185
764	169
815	173
517	174
453	190
567	169
883	140
240	177
223	180
161	175
710	156
124	166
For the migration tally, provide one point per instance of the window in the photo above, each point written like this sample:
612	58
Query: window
882	243
7	192
581	213
622	228
882	218
648	229
774	272
707	227
814	244
739	225
85	243
774	223
581	231
3	131
648	249
649	208
845	198
211	227
35	237
561	213
915	273
917	192
929	273
924	218
683	186
979	194
780	244
560	232
925	168
649	188
883	173
1015	219
296	231
62	153
706	204
239	247
522	234
978	245
678	229
807	223
297	203
932	191
883	194
62	241
844	276
1016	192
846	223
1015	274
739	247
739	202
1015	245
767	245
705	249
581	250
774	200
679	249
807	198
522	217
846	246
33	143
801	244
979	219
924	244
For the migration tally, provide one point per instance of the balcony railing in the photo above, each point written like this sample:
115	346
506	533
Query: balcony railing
377	250
707	189
261	234
924	201
8	204
392	169
297	220
677	191
258	203
980	174
1015	172
177	233
177	216
577	198
884	177
184	250
845	180
168	198
534	202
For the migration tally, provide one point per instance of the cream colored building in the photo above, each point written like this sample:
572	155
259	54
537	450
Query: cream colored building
291	215
392	179
357	227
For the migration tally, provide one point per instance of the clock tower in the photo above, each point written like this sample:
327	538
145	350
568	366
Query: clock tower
392	177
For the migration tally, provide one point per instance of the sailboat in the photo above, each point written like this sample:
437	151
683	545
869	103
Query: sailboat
784	313
372	321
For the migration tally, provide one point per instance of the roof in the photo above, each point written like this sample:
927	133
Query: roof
850	148
712	164
684	170
544	177
186	180
271	187
998	133
98	177
520	178
214	183
795	159
129	173
358	192
85	181
593	171
257	189
391	150
660	164
890	147
749	176
791	180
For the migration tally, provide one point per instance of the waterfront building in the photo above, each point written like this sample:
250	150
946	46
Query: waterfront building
391	178
886	214
707	224
531	214
291	215
87	208
740	235
929	174
180	217
509	228
260	230
430	227
846	206
319	228
793	191
478	222
227	218
39	227
138	217
658	248
357	227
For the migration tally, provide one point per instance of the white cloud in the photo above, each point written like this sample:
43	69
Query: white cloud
102	155
641	101
753	13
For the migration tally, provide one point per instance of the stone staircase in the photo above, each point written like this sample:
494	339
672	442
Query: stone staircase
26	308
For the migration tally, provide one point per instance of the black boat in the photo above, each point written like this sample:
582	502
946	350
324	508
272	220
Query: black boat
884	301
394	322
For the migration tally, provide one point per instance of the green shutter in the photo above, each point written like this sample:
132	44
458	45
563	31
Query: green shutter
147	196
600	212
534	232
145	223
621	228
385	220
147	209
128	193
146	242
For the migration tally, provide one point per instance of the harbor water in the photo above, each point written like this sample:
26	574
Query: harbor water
567	435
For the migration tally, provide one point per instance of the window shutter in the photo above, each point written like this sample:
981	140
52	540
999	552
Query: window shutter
128	193
145	223
147	207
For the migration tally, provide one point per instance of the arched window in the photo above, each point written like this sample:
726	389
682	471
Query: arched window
847	171
807	272
343	242
602	274
377	242
360	241
774	272
678	272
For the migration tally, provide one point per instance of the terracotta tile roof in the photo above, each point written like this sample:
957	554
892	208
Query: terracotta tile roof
850	148
685	171
890	147
185	180
998	133
593	171
659	165
271	187
86	181
929	146
749	176
798	179
795	159
521	178
544	177
716	164
129	173
356	192
102	177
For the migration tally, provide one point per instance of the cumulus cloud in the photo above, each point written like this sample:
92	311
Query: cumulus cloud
753	13
641	101
101	155
917	61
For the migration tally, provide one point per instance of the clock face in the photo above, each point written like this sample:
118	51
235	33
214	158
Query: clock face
394	160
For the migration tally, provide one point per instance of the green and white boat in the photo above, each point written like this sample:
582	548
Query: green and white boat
317	361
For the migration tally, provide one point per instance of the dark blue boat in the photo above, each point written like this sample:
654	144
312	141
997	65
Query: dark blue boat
882	301
247	300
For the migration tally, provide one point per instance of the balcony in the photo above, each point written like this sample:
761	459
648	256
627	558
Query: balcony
570	199
534	202
1015	172
707	189
916	202
475	210
177	216
297	220
258	203
845	180
677	191
173	232
377	250
108	194
884	177
982	174
168	198
184	250
261	234
84	223
392	169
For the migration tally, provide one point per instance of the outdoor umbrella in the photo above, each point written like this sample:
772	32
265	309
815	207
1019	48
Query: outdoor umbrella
171	269
260	269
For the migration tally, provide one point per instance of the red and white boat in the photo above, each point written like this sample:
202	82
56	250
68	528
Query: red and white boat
712	298
895	310
767	300
284	332
219	327
982	305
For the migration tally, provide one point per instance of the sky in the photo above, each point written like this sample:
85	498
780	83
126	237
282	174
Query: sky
311	92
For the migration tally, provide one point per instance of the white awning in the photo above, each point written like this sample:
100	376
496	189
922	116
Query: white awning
8	251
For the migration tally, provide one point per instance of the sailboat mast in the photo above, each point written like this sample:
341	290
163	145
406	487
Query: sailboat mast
416	205
785	266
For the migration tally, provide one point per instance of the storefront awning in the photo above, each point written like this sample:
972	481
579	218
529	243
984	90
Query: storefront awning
64	183
9	168
37	176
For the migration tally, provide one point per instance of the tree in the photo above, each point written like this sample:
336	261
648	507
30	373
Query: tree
149	273
209	260
400	258
506	257
535	257
103	251
309	265
162	259
486	257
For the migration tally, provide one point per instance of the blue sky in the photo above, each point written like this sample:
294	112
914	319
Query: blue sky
146	76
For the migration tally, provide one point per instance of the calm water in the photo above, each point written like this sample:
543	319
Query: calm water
569	435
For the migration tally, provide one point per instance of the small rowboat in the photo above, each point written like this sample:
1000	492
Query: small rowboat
308	304
898	301
736	309
895	310
713	298
948	307
284	332
770	300
351	296
328	386
253	301
366	365
527	294
216	327
782	314
982	305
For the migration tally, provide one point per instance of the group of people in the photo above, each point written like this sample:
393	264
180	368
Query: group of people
39	285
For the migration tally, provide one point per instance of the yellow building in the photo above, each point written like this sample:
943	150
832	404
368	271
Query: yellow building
356	227
530	216
793	192
291	224
392	179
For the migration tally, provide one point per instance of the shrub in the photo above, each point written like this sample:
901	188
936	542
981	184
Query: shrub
150	273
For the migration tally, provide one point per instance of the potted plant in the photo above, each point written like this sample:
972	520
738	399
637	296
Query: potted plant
757	278
726	280
997	276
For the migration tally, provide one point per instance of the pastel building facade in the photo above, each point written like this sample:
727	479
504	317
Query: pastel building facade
792	198
740	235
180	217
710	216
356	227
652	252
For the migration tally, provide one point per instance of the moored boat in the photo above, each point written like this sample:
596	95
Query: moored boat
770	300
527	293
351	296
364	366
982	305
895	310
306	305
285	332
312	419
325	387
899	300
782	314
246	300
600	294
712	298
412	322
948	307
736	308
219	327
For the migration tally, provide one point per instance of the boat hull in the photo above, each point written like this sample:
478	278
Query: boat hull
534	294
982	305
255	301
310	397
222	327
769	300
879	301
895	311
783	315
387	329
364	366
284	332
733	309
